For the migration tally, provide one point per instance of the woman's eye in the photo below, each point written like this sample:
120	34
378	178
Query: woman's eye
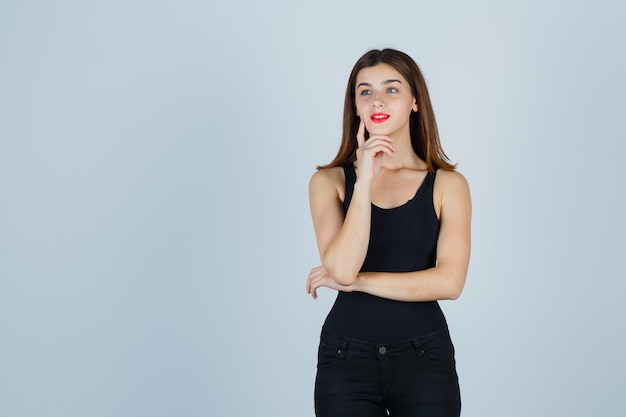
366	92
392	90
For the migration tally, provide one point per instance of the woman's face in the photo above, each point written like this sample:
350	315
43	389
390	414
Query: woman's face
384	101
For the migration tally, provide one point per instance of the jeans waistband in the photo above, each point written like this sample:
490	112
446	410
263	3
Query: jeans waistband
372	347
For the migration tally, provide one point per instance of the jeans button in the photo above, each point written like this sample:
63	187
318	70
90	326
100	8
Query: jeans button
382	350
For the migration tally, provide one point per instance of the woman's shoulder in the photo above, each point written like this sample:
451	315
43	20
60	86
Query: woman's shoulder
450	178
450	186
332	175
328	181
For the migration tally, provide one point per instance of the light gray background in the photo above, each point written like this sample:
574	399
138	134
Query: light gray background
154	228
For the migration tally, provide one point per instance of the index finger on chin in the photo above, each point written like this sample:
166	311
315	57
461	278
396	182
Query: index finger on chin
360	134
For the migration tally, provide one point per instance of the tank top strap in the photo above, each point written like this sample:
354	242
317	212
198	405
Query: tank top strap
350	174
430	181
427	188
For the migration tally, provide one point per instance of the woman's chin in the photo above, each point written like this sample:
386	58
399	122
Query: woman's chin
378	130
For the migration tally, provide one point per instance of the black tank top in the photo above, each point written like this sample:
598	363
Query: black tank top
402	239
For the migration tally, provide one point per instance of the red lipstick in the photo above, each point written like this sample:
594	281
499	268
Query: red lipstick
379	117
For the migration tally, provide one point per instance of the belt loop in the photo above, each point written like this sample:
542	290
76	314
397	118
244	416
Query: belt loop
419	351
344	347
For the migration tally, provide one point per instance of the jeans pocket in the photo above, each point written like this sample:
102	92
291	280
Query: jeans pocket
438	350
329	352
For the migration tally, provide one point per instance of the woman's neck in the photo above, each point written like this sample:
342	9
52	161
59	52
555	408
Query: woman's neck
405	156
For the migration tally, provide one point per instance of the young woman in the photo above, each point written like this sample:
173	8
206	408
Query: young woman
392	220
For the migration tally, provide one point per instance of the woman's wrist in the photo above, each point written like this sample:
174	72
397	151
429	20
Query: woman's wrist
362	188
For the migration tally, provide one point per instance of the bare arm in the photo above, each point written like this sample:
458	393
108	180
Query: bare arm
447	279
343	242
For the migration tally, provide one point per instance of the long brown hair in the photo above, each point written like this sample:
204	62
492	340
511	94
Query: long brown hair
423	127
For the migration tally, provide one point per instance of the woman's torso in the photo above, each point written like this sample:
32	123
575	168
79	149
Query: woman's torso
402	239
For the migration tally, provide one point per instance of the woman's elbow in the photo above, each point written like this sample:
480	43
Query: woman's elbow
341	276
339	270
347	280
455	293
456	282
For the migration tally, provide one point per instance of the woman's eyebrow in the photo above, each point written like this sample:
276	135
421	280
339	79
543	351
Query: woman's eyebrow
383	83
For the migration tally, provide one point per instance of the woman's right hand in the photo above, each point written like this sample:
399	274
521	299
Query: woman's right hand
319	277
369	154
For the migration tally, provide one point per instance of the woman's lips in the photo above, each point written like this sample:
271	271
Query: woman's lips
379	117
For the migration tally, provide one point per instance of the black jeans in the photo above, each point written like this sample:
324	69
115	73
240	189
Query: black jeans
413	378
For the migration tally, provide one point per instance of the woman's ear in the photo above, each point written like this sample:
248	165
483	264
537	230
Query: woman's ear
415	108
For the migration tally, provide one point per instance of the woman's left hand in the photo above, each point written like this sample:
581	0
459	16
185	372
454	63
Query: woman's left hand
318	277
